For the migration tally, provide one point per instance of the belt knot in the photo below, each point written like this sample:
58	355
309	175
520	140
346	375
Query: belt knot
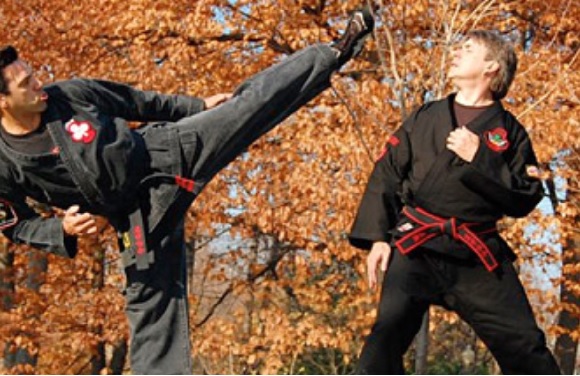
428	226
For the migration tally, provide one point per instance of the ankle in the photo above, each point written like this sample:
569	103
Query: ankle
360	25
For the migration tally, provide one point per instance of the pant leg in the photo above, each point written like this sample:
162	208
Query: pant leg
201	145
496	306
404	301
208	141
156	307
215	137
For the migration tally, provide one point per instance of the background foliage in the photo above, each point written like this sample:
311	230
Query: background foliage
275	288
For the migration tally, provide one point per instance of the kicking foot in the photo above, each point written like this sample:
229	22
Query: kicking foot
359	27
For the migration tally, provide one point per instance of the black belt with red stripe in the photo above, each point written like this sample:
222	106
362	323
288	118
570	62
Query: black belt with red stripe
428	226
135	241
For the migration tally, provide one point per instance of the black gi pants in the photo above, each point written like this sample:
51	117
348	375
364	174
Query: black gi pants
198	147
493	303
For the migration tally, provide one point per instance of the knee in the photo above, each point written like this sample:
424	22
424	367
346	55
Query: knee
399	312
397	324
388	323
143	295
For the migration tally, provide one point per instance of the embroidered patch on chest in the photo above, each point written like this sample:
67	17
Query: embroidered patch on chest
81	131
496	139
8	217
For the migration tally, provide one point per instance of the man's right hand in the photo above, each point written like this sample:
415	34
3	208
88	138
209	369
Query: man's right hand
78	224
380	254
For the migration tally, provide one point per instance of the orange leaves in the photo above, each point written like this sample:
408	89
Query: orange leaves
569	210
288	203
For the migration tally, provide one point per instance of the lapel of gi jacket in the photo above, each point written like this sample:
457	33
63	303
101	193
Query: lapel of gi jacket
79	173
444	122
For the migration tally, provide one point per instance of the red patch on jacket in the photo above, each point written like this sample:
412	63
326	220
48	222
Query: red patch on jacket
8	217
496	139
393	141
81	131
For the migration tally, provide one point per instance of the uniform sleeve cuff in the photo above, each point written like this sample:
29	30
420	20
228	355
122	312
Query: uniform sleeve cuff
365	241
64	246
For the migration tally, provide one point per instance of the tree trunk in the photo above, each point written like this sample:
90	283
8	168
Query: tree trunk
566	349
422	346
7	294
190	263
6	277
15	355
119	357
98	361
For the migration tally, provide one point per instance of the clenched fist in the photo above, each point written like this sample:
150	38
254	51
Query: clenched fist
464	143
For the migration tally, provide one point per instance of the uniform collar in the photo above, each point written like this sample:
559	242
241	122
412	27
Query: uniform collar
482	122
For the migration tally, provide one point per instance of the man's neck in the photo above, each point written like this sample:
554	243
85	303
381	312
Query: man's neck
474	97
20	125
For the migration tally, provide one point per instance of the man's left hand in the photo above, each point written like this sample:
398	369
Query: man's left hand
464	143
214	100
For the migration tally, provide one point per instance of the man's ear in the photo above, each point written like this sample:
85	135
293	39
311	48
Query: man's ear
491	67
3	103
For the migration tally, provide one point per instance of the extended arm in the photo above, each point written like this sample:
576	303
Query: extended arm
123	101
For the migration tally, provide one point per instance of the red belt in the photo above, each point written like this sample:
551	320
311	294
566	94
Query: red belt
431	226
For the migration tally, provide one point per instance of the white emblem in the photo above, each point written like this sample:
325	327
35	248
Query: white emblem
80	131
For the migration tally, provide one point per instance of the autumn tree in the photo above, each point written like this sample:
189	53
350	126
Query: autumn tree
275	287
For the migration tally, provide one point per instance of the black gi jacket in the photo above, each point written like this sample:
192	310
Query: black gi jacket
97	163
417	170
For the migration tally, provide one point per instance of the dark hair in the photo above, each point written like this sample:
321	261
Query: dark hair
501	51
8	55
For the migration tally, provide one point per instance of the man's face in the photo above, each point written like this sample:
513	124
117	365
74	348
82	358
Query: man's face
25	94
469	61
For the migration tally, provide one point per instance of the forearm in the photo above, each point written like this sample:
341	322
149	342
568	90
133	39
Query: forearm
45	234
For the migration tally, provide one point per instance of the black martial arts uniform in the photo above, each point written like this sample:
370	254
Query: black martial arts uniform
144	181
439	214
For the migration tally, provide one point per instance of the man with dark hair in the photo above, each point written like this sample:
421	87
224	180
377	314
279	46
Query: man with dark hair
453	169
68	145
